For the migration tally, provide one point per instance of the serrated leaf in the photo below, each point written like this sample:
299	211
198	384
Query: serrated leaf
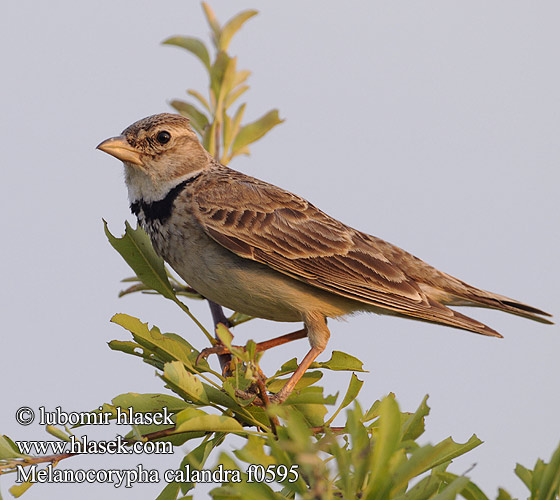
198	119
448	449
340	361
167	347
413	426
233	26
255	130
136	249
352	392
193	45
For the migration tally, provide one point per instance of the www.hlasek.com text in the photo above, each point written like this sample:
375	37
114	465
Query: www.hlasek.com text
83	445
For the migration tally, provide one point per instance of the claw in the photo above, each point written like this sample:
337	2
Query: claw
218	349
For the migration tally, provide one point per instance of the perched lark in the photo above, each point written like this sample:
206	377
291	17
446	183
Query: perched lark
263	251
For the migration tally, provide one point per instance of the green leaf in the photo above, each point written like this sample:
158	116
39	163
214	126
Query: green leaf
214	24
217	73
167	347
373	412
313	414
200	98
233	26
132	348
136	249
423	490
386	442
360	449
234	95
351	393
241	77
288	367
198	119
308	378
234	130
184	383
8	449
310	395
149	403
453	489
413	426
471	491
193	45
170	492
255	130
253	452
448	449
341	361
58	433
207	423
197	458
503	495
550	480
19	489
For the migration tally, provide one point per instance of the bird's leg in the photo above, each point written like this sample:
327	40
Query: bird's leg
221	349
283	393
318	333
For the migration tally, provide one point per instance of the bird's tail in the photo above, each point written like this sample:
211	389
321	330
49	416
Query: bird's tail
482	298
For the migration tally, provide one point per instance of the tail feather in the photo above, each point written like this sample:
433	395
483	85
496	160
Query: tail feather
450	317
480	298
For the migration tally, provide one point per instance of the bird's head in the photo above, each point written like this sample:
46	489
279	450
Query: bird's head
157	152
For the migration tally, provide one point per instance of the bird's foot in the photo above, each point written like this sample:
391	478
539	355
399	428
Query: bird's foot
218	349
258	397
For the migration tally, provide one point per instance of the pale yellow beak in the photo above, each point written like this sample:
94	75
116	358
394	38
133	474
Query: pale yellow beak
121	149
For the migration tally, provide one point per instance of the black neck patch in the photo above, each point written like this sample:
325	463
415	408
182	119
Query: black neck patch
160	210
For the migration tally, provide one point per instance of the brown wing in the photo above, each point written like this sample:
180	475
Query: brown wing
261	222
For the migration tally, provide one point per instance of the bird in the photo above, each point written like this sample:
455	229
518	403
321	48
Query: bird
263	251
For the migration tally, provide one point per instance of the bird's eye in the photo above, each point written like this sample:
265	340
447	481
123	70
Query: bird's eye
163	137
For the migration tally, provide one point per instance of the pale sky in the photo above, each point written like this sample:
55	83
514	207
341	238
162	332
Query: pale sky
433	125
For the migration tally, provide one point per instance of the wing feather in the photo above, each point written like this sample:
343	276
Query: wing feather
264	223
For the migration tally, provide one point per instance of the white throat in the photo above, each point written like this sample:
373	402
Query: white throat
141	187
